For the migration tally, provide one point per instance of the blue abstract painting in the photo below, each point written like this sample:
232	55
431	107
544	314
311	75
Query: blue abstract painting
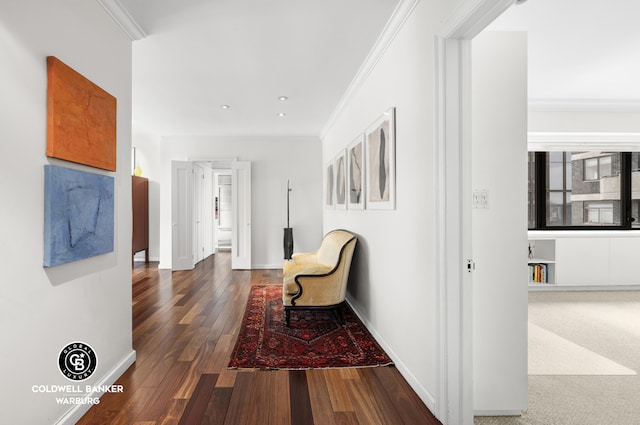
78	215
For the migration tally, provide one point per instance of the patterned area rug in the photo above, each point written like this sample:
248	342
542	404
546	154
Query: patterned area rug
315	339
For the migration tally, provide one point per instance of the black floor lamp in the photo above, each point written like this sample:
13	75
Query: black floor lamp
288	232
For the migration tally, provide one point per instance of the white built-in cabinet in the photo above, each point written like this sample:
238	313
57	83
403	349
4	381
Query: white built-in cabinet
542	262
594	259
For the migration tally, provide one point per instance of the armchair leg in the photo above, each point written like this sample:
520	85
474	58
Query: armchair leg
337	312
287	317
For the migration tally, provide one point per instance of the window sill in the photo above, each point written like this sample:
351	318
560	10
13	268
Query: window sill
557	234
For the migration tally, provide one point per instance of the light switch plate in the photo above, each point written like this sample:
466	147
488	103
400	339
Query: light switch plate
480	199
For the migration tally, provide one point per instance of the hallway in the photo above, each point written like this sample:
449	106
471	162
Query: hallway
184	327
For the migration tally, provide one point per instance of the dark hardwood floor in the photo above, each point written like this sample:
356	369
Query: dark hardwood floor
184	327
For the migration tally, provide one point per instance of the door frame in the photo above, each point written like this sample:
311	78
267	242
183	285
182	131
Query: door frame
453	143
217	172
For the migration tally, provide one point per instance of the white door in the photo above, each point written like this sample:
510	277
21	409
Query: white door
241	215
181	215
198	244
499	181
454	403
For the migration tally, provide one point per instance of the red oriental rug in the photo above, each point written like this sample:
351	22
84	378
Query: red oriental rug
315	339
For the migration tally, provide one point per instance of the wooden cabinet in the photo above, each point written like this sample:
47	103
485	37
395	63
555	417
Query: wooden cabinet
140	206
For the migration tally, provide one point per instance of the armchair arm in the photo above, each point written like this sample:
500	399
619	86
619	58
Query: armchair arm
305	257
291	271
318	290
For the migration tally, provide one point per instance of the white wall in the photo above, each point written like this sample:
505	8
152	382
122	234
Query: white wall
393	276
499	158
273	162
584	121
44	309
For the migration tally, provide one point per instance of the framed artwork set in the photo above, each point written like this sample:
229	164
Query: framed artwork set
79	204
363	176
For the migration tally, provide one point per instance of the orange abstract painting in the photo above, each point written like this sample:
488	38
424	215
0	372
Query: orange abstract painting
81	118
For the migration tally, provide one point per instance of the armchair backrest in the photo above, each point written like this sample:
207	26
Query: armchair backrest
331	247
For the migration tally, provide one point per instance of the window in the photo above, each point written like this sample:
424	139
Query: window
635	214
585	190
635	190
531	199
558	188
598	212
596	168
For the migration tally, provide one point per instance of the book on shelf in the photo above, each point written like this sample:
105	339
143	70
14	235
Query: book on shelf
539	273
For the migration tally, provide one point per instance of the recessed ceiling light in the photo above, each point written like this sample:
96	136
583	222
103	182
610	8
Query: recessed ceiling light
283	98
225	107
282	114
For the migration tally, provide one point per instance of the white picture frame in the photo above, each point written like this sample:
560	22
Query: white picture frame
340	180
381	162
329	191
356	173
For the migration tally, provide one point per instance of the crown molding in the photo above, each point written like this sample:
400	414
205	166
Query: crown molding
395	23
624	142
221	138
122	17
584	105
471	17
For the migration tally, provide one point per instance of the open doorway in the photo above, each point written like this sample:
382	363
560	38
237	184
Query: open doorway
571	336
455	237
222	191
197	226
454	114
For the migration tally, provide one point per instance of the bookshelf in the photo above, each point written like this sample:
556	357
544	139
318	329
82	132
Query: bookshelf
542	262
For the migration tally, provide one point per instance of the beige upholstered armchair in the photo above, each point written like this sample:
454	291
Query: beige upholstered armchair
319	279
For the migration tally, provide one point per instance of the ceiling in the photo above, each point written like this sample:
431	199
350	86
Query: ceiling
581	53
201	54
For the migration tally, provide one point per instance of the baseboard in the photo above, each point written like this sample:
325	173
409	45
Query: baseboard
142	259
422	392
497	413
162	266
74	415
266	266
552	288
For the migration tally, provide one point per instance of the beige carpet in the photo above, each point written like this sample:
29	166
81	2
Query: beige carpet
594	332
550	354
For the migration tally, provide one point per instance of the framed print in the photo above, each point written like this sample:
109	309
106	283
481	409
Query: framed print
340	170
355	173
329	189
381	162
